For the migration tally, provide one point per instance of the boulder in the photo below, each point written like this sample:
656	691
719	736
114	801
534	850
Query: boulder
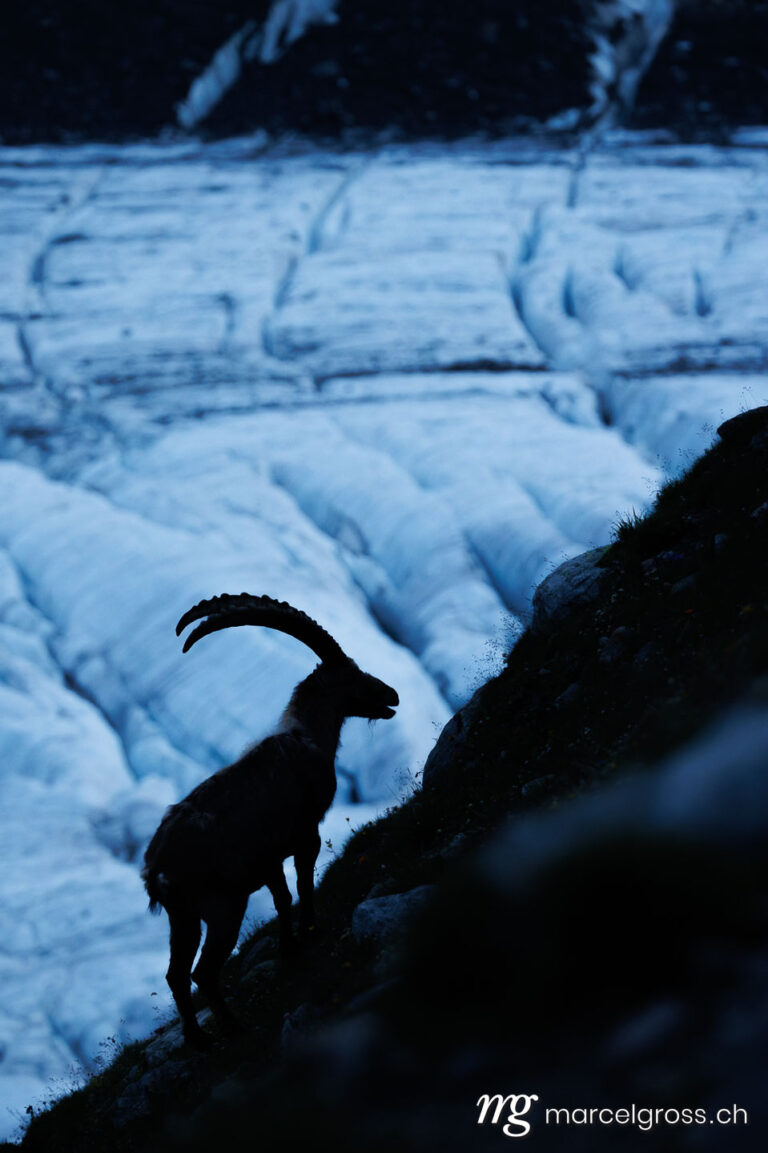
383	919
451	748
577	582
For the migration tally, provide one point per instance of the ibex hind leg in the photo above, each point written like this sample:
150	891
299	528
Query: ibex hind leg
185	938
223	915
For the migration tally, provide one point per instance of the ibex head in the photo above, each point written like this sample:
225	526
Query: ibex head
366	696
356	694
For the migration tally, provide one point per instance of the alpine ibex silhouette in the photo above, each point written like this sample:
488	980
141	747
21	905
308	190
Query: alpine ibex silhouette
231	834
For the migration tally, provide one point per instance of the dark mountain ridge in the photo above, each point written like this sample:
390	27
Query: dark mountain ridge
436	69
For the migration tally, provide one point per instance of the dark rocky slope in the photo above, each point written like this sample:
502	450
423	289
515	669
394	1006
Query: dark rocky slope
585	871
711	71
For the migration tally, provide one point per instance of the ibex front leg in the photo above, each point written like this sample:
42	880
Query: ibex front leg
304	861
281	895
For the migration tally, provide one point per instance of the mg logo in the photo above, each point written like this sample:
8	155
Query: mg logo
514	1107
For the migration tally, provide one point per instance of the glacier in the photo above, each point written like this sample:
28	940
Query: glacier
395	386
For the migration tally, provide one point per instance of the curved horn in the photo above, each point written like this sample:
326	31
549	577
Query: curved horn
244	609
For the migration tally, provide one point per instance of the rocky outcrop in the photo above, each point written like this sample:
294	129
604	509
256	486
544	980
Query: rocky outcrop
711	69
575	583
451	749
386	918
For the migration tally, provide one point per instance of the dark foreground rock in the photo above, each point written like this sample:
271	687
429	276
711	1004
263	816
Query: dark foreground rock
612	954
577	581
